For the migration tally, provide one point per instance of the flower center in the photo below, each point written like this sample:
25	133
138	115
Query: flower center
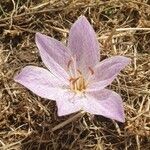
78	84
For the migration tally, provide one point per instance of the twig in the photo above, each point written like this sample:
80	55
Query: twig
31	13
23	29
138	142
132	29
9	146
62	124
40	6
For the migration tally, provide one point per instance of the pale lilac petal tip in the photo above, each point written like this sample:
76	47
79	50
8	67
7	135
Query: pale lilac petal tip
84	44
40	81
106	103
54	55
106	71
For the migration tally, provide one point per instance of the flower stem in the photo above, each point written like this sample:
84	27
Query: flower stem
62	124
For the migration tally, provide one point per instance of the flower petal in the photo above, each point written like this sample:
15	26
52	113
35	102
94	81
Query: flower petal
106	103
69	103
54	55
41	82
83	44
106	71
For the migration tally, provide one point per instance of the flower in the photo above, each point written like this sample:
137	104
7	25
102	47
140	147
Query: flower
75	78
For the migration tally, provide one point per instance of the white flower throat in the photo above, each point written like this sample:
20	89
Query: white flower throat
78	82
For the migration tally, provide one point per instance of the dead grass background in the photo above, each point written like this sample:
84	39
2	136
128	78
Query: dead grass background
26	121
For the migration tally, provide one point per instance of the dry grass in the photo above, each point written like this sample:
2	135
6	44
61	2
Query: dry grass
26	121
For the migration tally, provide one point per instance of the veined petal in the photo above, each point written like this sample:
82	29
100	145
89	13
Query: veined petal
83	44
54	55
41	82
106	103
69	103
106	71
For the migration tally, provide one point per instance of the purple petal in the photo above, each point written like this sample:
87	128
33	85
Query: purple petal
106	71
83	44
69	103
54	55
106	103
41	82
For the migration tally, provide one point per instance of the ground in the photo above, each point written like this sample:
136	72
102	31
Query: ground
28	122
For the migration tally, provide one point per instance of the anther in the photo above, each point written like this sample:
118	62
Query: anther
75	80
79	72
91	70
71	79
69	63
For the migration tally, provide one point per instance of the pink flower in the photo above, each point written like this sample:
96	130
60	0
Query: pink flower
76	79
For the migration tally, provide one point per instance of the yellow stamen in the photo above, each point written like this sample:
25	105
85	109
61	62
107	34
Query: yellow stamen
77	80
78	84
